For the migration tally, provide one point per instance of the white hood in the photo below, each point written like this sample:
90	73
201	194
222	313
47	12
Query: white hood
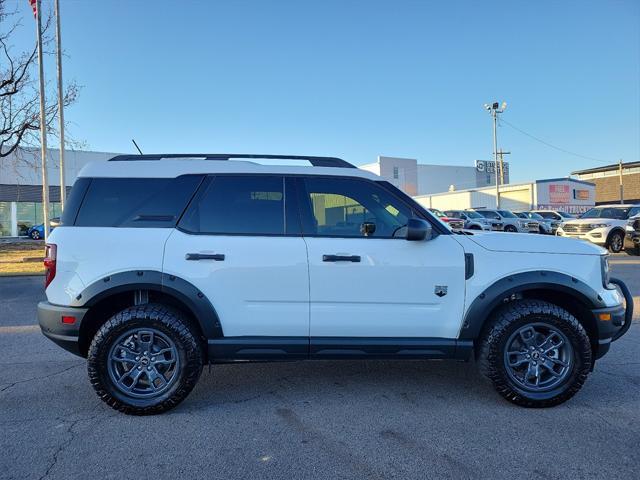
532	243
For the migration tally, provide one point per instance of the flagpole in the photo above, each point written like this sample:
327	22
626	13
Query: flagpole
43	129
63	190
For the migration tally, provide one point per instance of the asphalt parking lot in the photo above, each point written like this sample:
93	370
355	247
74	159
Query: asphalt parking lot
375	419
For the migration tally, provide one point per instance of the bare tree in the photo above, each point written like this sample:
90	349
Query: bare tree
19	95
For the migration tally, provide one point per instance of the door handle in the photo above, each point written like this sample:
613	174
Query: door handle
218	257
341	258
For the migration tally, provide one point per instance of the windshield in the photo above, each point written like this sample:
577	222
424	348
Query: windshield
506	214
521	214
472	214
607	212
535	216
437	212
489	214
566	215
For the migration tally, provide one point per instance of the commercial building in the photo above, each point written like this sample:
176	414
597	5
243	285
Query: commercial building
21	186
420	179
607	182
563	194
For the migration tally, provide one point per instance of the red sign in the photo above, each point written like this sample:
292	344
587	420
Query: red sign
559	193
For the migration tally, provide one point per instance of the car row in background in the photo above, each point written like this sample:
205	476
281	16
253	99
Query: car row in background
604	225
632	237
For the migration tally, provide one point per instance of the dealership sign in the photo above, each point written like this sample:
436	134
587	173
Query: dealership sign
490	166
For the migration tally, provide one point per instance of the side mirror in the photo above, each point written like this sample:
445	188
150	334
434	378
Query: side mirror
367	229
418	229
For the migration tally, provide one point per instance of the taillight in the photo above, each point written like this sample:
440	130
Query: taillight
50	254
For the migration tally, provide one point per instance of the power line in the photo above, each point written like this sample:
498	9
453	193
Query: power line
564	150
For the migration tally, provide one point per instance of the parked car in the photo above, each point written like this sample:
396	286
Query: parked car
453	222
632	238
473	220
554	215
200	260
510	221
603	225
547	226
37	231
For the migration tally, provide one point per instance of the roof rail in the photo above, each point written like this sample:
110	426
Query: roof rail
315	161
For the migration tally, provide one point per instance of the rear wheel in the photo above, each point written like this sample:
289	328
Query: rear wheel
535	353
144	360
35	234
616	242
510	229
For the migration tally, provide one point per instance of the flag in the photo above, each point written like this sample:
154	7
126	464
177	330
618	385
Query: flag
34	5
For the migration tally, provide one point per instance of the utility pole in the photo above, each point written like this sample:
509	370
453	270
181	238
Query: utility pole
43	128
501	153
63	188
495	109
621	185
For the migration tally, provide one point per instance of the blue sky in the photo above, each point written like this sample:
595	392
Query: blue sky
357	79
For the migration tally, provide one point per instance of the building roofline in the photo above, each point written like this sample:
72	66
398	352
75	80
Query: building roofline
606	168
591	184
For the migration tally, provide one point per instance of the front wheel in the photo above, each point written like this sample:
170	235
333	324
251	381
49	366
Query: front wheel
144	360
510	229
35	234
535	353
616	242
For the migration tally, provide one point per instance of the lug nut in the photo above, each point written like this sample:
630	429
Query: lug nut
153	359
149	368
137	359
139	367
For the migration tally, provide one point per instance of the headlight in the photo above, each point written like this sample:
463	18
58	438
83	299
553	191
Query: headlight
599	225
604	263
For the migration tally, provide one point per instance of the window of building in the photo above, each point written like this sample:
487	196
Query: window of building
239	205
29	214
5	219
396	173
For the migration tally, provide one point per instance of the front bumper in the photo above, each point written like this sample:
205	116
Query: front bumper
632	242
50	318
608	328
597	235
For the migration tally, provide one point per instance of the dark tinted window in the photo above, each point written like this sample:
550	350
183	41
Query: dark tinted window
550	215
74	200
136	202
339	207
241	205
489	214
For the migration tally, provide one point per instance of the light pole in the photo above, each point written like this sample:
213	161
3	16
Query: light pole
495	109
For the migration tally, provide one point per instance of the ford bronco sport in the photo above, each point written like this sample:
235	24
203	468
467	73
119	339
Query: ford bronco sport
165	263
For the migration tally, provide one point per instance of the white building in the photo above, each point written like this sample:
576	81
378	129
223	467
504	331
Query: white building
420	179
21	185
563	194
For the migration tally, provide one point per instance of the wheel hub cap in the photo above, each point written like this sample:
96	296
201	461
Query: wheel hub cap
538	357
143	363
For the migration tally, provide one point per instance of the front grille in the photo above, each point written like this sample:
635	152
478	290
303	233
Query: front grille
456	224
577	228
497	226
532	225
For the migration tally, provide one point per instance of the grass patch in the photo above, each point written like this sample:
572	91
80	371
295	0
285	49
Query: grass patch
21	258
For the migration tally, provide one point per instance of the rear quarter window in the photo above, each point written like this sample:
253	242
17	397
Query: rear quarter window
136	202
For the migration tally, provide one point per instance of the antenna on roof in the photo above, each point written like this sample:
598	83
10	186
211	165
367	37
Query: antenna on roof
134	142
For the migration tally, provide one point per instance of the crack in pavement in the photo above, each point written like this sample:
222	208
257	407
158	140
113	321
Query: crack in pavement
7	386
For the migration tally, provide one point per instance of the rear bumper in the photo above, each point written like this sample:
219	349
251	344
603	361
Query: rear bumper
65	335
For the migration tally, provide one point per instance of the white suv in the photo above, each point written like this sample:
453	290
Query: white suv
603	225
165	263
511	222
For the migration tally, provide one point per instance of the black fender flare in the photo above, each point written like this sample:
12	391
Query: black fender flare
482	306
204	312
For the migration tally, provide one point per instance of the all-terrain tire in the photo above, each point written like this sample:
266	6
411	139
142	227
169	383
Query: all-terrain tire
513	317
172	325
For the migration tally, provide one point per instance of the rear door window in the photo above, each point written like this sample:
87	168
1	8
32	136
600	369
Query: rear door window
239	205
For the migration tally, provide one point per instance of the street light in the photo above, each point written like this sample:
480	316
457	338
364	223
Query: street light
495	109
